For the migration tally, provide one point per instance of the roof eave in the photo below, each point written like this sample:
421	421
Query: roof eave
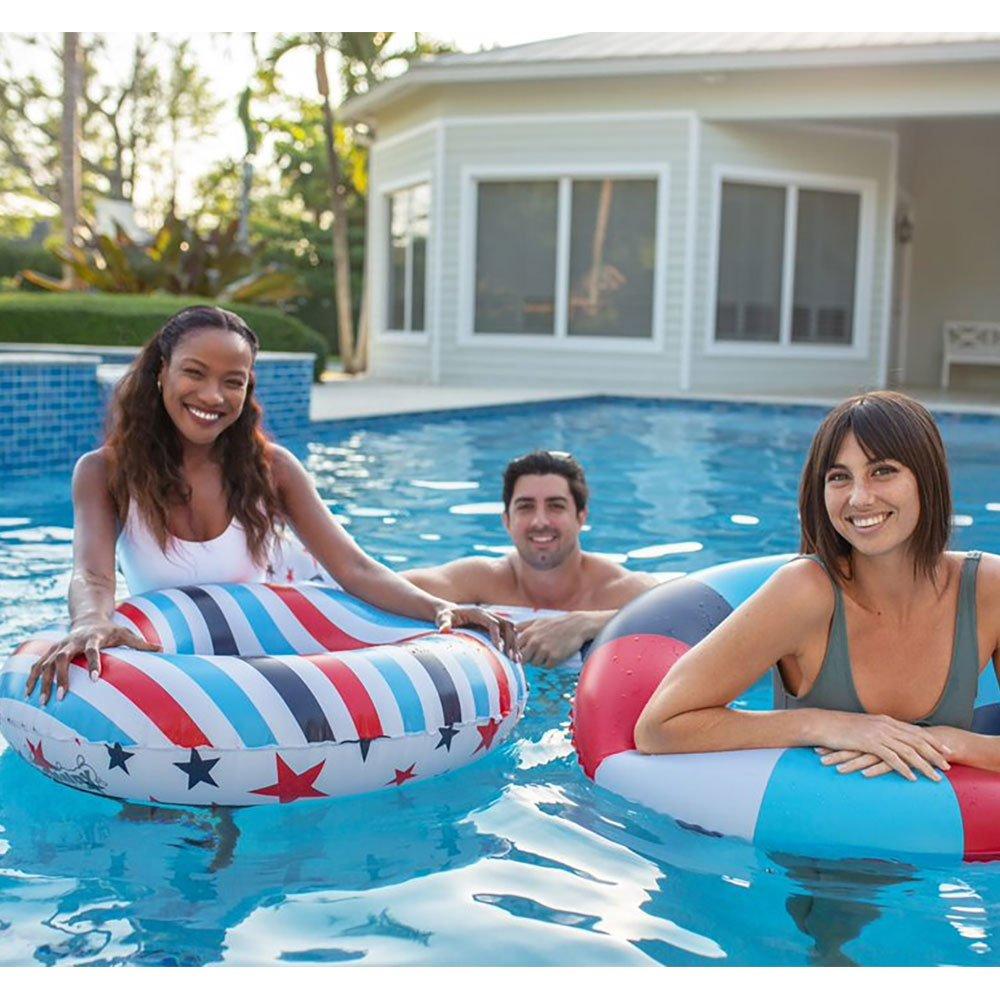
364	107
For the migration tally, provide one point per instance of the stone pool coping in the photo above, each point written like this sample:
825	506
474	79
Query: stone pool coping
354	398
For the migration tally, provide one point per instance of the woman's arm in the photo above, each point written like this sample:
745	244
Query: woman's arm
357	572
92	584
687	713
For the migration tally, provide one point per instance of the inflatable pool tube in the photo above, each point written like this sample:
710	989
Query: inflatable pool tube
780	800
264	693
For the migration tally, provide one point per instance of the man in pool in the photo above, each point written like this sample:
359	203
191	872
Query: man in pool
544	510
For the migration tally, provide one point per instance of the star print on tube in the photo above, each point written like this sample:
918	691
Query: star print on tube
403	776
117	757
38	756
198	769
448	733
291	786
487	734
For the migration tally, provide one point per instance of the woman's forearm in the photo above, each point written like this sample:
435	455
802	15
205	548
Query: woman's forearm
91	599
368	579
710	729
972	749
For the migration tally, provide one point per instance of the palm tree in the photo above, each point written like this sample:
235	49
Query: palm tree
322	42
70	194
365	60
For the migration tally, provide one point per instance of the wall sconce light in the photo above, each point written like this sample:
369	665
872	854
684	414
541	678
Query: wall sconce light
904	227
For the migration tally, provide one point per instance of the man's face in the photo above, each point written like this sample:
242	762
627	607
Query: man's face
543	521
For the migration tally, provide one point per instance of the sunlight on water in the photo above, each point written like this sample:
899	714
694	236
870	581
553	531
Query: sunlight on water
518	859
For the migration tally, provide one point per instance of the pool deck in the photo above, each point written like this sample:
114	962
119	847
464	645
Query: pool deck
349	397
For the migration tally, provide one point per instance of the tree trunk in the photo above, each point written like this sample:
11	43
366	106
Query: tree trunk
341	242
360	361
70	182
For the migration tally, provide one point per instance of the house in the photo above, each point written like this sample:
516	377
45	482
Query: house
688	212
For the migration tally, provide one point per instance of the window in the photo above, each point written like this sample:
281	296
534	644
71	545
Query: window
409	212
566	257
516	257
760	298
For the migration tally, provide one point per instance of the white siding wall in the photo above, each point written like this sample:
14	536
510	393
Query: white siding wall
557	122
397	162
557	145
793	151
955	180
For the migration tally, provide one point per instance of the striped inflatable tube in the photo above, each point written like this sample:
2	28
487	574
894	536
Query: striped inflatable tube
780	800
264	693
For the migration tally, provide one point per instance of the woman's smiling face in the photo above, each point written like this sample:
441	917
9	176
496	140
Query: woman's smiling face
204	385
874	505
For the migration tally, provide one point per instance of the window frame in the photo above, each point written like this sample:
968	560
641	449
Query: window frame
386	192
792	182
563	175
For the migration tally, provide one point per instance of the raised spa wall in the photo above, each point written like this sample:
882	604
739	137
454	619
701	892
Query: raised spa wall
53	400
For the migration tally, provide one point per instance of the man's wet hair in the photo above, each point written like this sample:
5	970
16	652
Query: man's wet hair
545	463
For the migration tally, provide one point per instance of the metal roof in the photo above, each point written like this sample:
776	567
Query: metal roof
644	52
639	44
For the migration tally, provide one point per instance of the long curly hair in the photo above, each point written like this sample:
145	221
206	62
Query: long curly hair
145	449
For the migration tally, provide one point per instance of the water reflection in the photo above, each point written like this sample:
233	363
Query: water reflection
518	859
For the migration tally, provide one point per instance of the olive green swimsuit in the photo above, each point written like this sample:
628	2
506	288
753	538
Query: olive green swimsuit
834	688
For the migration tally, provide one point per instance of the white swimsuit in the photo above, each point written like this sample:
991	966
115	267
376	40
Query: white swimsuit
224	559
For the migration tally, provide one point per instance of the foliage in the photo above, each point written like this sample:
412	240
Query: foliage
130	320
20	255
180	261
129	126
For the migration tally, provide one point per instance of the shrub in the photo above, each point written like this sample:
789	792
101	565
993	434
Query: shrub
20	255
130	320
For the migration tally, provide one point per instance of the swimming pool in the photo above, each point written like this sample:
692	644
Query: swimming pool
519	859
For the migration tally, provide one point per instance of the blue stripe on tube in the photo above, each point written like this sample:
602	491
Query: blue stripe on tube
264	626
813	810
402	689
234	703
736	581
75	713
183	642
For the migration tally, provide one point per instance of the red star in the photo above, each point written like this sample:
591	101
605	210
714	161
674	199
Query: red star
291	786
402	776
487	734
38	756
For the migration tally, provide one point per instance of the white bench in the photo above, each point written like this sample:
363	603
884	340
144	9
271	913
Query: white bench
969	344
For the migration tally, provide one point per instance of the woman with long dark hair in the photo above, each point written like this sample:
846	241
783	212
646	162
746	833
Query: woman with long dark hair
879	634
190	489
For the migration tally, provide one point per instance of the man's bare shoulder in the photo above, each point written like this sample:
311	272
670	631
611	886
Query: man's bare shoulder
471	580
611	585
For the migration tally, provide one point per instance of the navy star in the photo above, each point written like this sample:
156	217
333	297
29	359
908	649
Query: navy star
118	757
448	733
197	769
364	746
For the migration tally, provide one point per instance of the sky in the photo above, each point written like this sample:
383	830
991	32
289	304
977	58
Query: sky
224	53
226	58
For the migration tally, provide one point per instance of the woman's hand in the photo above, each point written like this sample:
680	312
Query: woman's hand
501	631
878	744
88	640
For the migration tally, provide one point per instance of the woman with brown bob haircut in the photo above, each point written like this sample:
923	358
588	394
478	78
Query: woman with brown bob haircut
879	634
190	490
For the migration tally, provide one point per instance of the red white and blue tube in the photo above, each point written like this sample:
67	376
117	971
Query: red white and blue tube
779	799
264	694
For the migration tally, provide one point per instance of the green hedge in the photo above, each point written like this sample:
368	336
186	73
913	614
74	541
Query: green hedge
130	320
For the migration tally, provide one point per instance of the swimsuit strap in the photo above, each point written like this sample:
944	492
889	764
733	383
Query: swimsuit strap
956	704
834	685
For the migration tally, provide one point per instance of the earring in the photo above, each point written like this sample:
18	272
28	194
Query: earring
159	387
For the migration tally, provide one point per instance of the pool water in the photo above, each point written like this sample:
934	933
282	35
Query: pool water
517	859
